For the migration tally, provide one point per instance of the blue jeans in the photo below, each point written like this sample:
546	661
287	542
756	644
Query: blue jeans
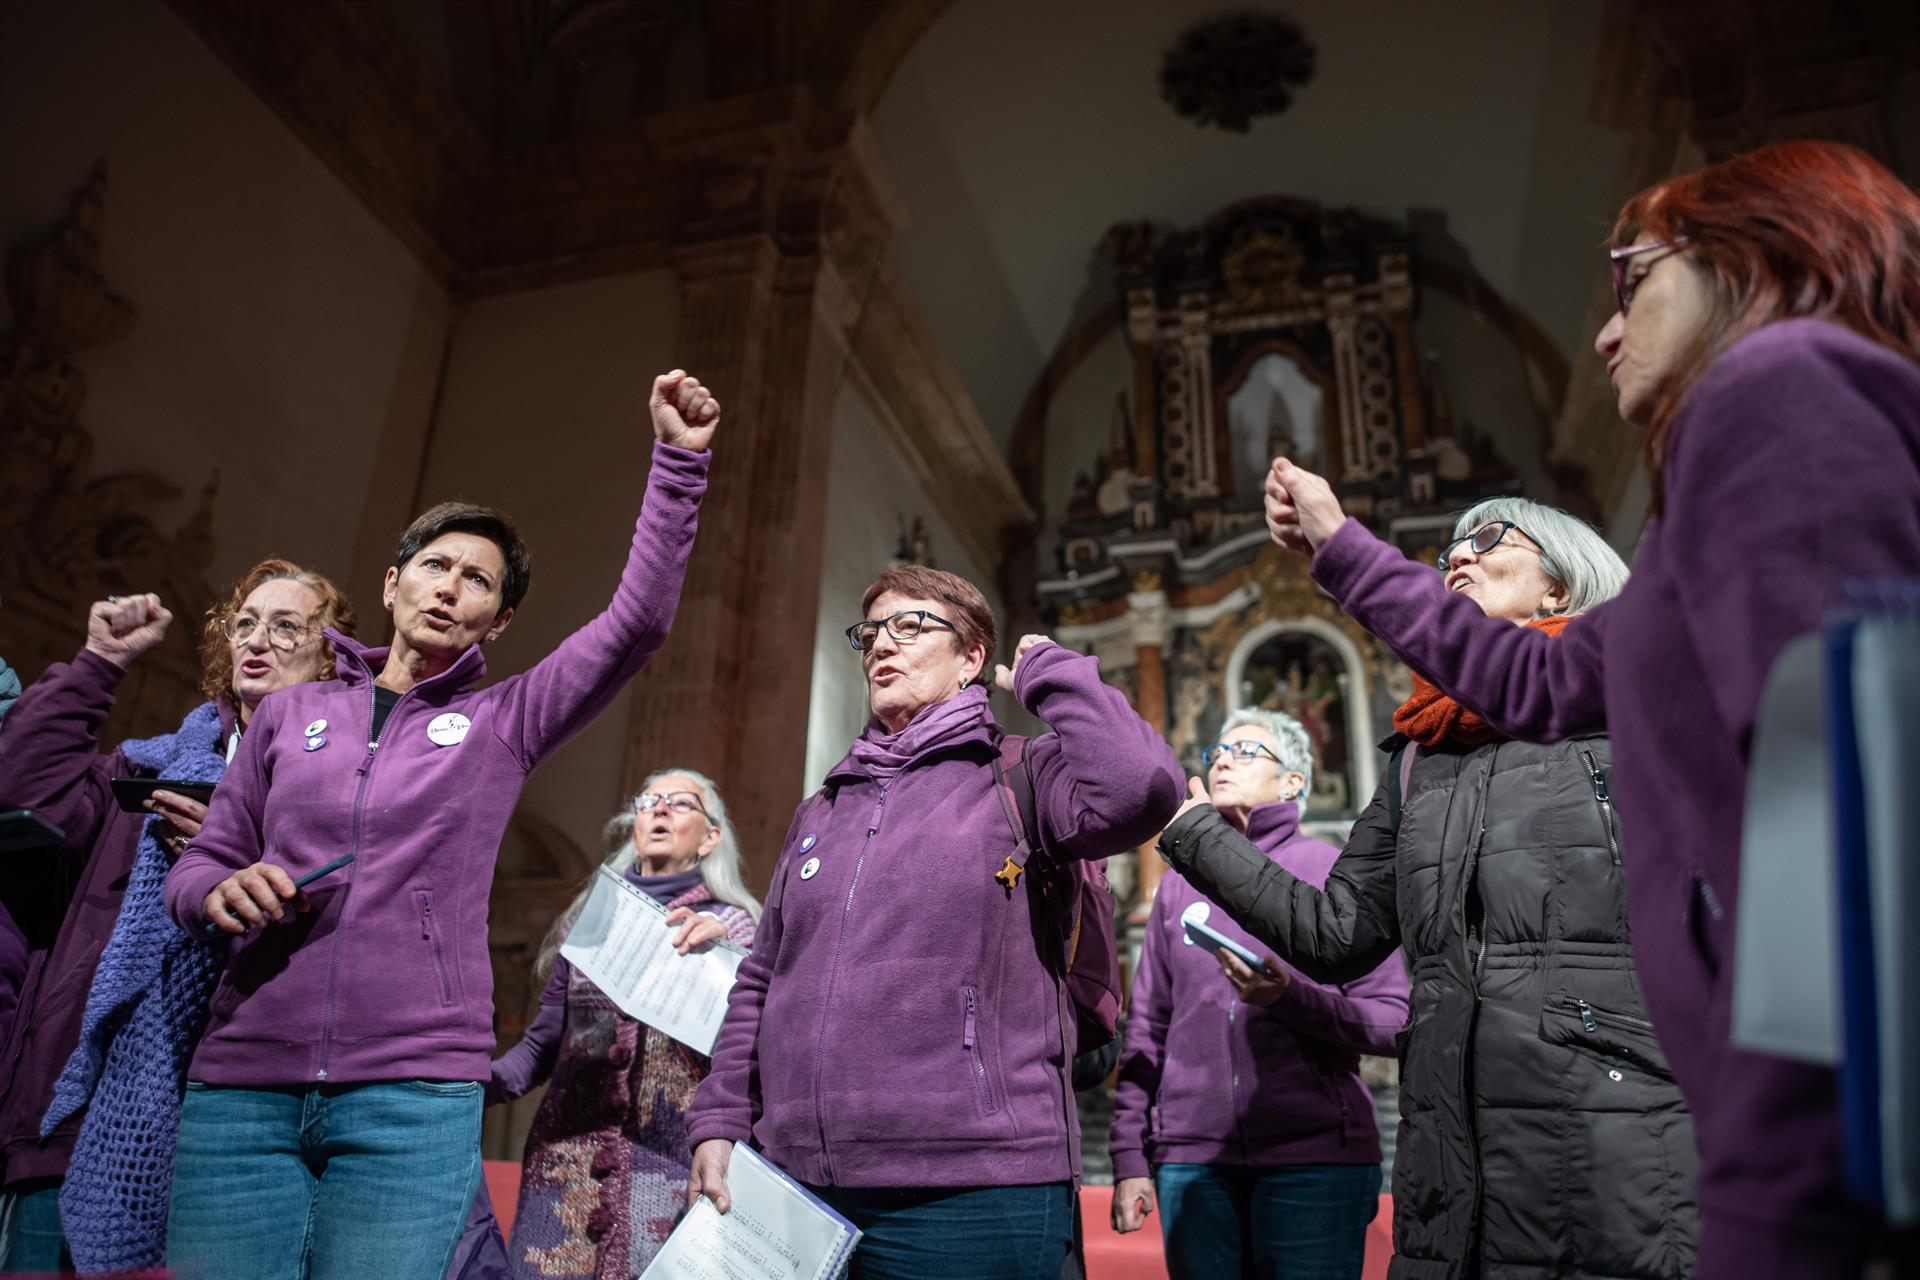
35	1241
1293	1222
335	1182
958	1233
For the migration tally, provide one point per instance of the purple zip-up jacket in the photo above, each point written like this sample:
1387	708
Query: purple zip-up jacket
1207	1079
895	1026
64	900
1793	467
388	978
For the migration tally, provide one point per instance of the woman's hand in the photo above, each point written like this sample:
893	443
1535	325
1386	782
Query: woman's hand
249	898
1003	675
1262	988
1302	511
121	628
701	930
1133	1204
1196	796
184	817
684	412
709	1175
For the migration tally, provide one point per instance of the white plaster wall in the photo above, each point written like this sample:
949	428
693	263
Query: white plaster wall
868	490
544	416
285	339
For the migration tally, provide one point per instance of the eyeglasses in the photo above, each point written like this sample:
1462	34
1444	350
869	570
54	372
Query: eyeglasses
676	801
1482	540
1245	749
903	627
1623	288
282	633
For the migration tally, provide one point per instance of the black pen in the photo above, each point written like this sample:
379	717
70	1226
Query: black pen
315	874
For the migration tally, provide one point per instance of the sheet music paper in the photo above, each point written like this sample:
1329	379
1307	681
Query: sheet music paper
775	1229
623	944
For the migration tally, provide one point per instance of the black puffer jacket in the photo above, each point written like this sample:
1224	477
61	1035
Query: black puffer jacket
1541	1134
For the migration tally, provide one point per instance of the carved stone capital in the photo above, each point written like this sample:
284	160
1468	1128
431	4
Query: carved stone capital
1148	621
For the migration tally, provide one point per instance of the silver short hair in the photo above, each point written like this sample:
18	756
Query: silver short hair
719	870
1572	552
1291	743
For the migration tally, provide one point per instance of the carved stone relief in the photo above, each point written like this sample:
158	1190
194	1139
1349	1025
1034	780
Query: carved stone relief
69	536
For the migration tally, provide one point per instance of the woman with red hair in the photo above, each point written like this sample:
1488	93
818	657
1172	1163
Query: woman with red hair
1766	343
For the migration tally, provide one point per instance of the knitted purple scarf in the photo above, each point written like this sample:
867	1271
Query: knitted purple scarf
144	1015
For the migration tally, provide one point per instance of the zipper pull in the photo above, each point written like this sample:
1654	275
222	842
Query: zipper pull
1586	1017
1599	784
873	823
967	1043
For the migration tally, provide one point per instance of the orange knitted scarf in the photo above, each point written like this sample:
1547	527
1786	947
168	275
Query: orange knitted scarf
1430	717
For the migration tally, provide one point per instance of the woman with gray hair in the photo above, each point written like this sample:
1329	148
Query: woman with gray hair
1541	1132
1240	1108
611	1133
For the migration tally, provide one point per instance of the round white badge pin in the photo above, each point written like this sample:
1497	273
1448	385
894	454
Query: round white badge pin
809	868
317	728
1196	913
808	842
448	730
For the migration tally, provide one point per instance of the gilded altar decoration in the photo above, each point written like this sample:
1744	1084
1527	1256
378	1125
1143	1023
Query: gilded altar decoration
1228	70
1277	327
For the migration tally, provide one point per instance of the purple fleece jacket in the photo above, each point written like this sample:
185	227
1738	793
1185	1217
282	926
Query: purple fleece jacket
388	978
1207	1079
895	1026
1794	466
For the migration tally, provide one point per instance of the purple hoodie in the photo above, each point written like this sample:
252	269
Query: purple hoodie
1794	466
895	1025
1207	1079
388	977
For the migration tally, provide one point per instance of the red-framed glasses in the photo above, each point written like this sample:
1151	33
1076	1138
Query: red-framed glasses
1623	288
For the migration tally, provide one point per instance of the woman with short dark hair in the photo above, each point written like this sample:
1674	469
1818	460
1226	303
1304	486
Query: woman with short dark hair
336	1094
1767	342
901	1037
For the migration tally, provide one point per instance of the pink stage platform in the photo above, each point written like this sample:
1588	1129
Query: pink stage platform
1109	1256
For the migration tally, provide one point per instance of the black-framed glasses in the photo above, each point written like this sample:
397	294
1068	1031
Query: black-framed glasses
1482	540
282	633
903	627
1621	261
676	802
1245	749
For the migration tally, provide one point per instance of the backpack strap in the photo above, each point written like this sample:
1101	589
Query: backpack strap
1014	785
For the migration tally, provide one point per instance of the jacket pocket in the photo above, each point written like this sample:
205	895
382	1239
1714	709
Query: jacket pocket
430	930
1571	1020
972	1040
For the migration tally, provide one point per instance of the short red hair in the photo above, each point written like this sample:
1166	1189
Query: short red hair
1814	229
966	608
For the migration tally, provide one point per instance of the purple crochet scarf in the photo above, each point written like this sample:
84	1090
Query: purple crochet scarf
144	1015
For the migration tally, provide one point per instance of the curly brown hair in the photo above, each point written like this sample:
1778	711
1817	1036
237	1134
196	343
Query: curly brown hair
216	651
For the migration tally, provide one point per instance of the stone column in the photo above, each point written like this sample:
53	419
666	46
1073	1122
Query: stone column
764	320
1147	616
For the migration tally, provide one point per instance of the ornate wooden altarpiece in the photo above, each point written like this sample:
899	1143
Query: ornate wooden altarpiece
1276	327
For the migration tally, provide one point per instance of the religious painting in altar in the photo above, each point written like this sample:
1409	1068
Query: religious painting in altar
1304	676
